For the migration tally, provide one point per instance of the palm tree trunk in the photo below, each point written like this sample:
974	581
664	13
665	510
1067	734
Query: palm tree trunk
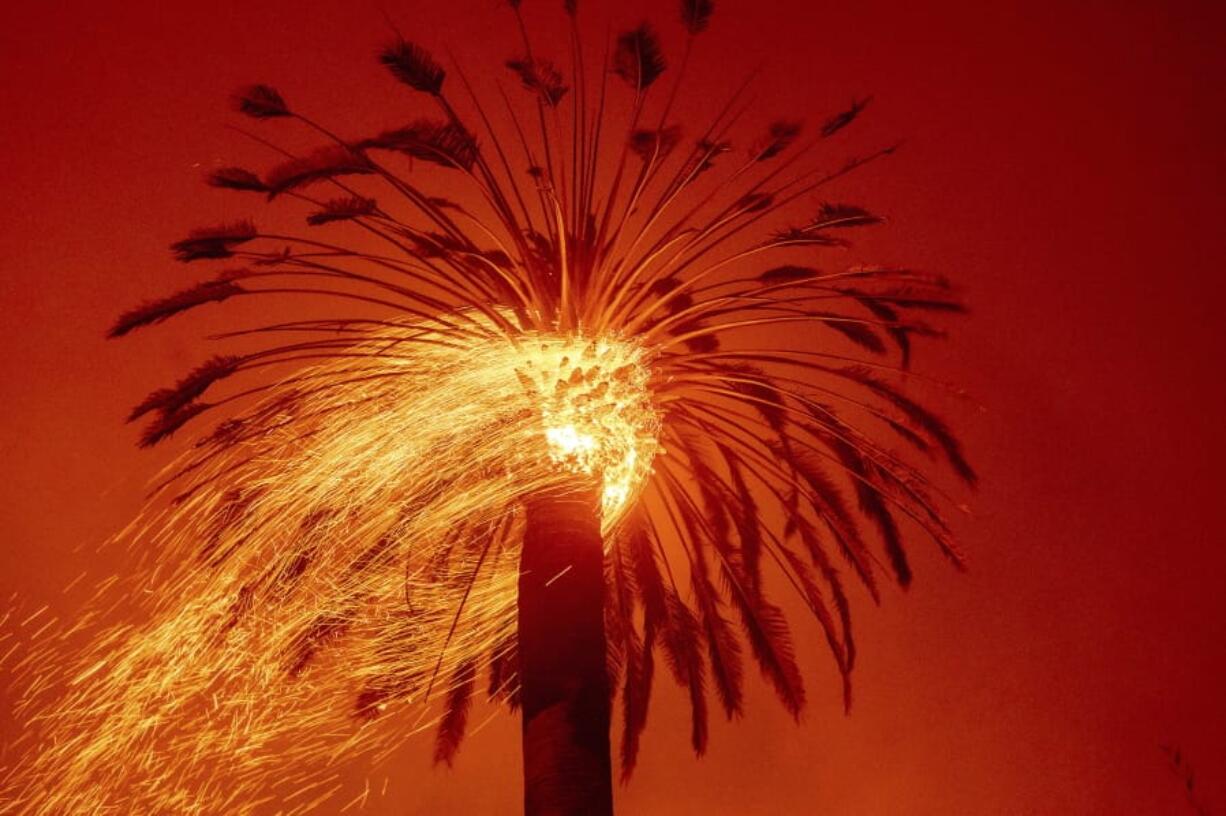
564	683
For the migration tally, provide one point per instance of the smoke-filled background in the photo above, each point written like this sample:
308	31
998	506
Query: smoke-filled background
1063	164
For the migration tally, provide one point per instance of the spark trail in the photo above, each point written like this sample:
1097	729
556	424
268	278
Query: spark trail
366	557
332	563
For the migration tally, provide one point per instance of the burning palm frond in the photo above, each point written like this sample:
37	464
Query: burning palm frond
612	303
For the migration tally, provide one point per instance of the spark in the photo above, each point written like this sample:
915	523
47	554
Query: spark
419	459
339	551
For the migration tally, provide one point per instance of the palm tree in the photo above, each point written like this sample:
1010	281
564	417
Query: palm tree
587	409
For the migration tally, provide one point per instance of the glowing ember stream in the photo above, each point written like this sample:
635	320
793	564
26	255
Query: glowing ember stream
333	562
418	458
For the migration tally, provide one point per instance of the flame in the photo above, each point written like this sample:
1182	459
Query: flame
397	478
595	405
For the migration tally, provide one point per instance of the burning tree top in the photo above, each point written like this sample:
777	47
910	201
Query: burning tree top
628	298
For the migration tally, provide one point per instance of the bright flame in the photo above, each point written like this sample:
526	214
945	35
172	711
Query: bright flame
595	405
300	531
567	443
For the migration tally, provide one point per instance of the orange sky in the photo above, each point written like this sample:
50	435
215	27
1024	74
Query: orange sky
1064	165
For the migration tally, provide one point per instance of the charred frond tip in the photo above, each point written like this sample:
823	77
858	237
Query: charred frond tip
446	143
260	102
841	120
155	311
342	209
779	137
541	76
638	58
323	164
788	274
186	390
413	65
832	216
165	424
655	144
236	178
696	15
212	243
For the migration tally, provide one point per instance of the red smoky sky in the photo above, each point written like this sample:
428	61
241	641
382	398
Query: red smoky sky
1064	162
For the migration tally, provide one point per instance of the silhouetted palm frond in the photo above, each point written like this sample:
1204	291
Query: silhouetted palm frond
352	522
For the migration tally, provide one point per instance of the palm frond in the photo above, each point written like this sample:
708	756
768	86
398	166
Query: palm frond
455	713
213	243
413	65
155	311
841	120
171	400
260	102
696	15
236	178
444	143
638	59
342	209
322	164
541	77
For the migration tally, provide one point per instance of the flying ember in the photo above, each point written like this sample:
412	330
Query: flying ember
444	477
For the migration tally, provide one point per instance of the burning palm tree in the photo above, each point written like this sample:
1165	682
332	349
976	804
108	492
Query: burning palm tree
583	411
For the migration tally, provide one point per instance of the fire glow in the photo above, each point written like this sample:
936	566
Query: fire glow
403	477
333	561
595	406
